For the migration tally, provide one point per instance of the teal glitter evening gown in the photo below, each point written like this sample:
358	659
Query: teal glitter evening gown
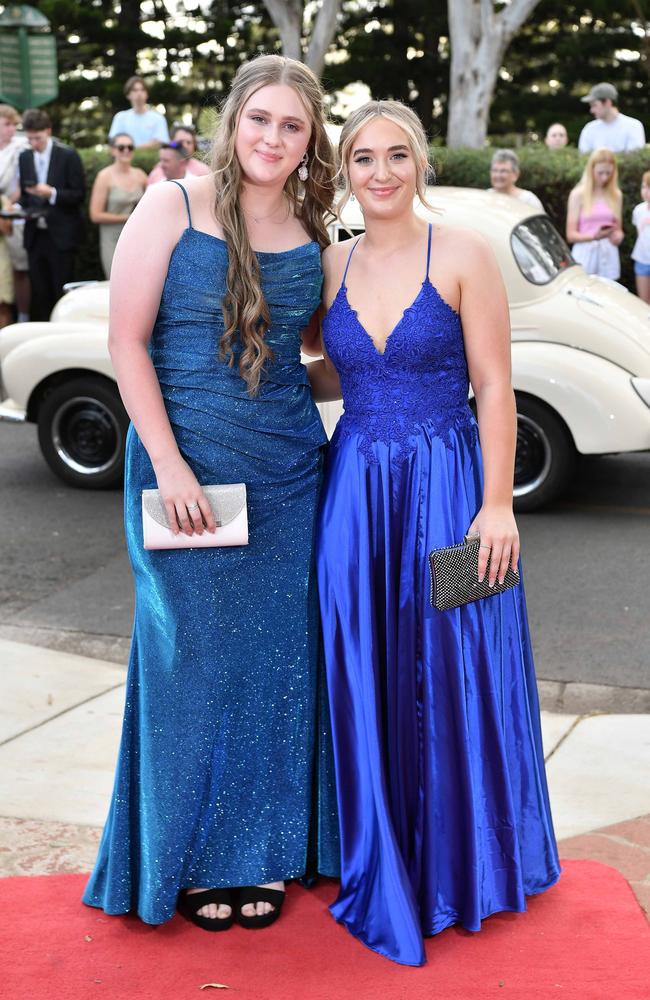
223	771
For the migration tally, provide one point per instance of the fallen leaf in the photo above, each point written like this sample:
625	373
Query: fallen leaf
215	986
87	937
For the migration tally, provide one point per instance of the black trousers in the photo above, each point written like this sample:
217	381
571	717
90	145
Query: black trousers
49	269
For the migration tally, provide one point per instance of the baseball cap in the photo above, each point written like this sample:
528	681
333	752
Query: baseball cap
601	92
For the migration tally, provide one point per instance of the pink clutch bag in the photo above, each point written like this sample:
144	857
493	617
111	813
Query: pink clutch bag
228	504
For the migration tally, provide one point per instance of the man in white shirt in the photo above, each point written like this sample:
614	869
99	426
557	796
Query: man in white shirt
504	174
610	129
145	126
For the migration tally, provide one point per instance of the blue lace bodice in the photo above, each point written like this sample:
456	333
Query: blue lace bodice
421	377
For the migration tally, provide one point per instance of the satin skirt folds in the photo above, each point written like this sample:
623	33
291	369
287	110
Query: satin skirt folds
443	802
222	774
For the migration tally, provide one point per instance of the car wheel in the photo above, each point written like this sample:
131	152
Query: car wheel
545	455
82	427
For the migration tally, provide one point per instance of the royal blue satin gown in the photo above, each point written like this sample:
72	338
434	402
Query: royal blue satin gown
443	803
222	773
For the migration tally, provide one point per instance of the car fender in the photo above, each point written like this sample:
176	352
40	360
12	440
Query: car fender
594	397
29	363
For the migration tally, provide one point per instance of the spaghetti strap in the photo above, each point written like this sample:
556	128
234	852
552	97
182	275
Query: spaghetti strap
187	202
356	243
426	273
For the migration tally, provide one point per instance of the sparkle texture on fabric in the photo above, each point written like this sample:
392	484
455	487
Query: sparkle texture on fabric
443	803
221	778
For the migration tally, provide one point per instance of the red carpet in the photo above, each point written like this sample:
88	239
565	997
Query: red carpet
585	939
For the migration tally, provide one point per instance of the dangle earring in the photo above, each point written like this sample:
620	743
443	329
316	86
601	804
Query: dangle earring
303	172
353	197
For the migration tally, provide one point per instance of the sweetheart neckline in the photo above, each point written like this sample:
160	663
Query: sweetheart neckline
427	282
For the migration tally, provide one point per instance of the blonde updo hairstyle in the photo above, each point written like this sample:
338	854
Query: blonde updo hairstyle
245	310
408	122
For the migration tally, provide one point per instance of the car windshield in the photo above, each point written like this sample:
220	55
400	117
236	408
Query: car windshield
539	250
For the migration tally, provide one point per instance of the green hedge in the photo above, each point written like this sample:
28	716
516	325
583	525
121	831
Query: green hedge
551	175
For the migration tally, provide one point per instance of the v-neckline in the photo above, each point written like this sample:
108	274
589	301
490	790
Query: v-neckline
407	309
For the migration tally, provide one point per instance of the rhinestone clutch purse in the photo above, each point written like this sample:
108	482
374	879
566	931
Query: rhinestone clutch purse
454	576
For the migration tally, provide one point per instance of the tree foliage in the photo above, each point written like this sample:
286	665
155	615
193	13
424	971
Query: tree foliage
189	51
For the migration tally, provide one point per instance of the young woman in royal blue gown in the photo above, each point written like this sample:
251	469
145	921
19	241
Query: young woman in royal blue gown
443	804
217	796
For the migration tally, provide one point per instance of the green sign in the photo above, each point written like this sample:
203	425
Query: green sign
28	65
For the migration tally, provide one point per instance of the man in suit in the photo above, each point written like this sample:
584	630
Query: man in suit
52	190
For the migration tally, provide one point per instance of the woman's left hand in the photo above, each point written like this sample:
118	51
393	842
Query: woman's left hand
499	541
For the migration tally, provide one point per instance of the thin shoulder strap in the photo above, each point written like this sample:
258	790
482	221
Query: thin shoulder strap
187	202
426	273
356	243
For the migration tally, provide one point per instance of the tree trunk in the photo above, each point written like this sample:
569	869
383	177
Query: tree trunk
288	16
129	40
322	34
479	38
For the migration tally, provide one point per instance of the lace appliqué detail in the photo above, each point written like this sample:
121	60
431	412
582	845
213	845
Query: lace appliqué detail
418	385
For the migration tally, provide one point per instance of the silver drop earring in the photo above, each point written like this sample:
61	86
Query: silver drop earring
303	172
353	197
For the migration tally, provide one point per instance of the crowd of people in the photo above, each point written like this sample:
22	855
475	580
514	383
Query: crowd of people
594	218
43	189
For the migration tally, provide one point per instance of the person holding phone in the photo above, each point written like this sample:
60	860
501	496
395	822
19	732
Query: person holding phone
52	191
594	217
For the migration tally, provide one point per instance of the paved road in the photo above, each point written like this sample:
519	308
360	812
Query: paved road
65	581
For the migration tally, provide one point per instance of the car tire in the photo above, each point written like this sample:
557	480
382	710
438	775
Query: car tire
82	427
545	455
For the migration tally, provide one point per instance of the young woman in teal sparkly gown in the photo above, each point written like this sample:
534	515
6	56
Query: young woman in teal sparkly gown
219	782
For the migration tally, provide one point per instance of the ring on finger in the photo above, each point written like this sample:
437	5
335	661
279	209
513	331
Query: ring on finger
485	546
192	506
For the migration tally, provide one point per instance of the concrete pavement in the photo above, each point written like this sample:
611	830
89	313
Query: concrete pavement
60	717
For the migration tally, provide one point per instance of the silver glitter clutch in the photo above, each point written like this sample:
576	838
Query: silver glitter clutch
227	503
454	576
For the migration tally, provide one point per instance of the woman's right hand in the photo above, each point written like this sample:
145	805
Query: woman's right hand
185	502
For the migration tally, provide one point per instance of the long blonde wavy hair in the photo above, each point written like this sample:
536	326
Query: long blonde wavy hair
410	124
245	310
611	193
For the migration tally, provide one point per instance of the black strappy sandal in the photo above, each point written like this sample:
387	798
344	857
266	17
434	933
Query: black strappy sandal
257	894
189	904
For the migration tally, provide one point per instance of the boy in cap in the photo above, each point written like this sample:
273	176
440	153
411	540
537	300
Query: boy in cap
610	129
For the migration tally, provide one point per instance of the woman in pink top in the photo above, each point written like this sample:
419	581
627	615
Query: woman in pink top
186	136
594	216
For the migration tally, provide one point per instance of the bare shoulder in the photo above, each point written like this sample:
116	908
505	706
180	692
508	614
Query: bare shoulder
470	248
335	256
162	197
157	220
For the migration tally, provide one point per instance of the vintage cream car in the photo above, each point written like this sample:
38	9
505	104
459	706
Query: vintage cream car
580	354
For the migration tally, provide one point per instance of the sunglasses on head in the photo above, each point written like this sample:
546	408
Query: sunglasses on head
124	147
